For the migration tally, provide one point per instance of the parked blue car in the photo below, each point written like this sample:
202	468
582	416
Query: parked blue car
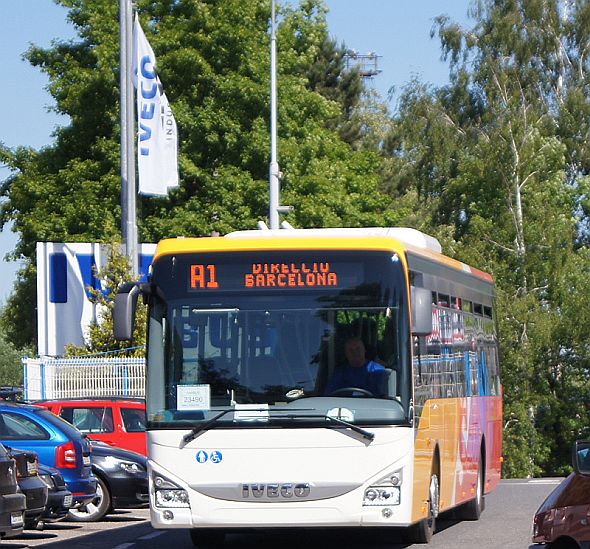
57	442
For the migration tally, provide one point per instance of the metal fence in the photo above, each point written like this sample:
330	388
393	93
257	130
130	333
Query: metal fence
48	378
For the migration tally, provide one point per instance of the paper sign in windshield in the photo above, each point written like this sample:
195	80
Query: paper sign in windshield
193	397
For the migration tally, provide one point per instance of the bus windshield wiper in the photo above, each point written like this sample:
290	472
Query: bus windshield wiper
210	422
204	426
365	434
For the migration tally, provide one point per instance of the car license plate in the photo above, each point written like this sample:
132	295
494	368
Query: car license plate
16	519
68	501
86	460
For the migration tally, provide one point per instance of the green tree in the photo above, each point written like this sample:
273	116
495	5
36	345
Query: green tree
503	178
213	60
11	369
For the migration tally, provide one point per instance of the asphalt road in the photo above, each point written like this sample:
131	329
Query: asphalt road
506	523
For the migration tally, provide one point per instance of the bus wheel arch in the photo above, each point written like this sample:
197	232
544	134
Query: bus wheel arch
472	509
423	530
435	472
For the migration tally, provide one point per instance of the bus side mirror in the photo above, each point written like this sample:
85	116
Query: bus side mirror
421	311
581	457
124	310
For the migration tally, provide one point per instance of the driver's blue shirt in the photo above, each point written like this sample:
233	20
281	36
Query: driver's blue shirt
371	377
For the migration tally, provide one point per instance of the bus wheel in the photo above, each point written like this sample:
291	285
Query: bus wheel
422	531
473	509
207	537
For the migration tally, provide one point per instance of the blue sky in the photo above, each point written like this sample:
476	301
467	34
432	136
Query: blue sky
398	31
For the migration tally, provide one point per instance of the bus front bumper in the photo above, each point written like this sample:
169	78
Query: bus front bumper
344	511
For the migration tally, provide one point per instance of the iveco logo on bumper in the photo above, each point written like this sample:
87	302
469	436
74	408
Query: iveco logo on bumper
289	490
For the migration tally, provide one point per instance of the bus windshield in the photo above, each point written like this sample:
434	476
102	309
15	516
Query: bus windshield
274	341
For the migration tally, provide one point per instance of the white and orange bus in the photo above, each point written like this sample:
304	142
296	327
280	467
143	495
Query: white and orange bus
244	333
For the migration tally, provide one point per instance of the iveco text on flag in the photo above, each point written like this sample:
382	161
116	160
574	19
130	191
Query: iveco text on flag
157	163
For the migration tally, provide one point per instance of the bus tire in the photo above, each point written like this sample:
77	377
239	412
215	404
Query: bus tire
207	537
472	509
422	531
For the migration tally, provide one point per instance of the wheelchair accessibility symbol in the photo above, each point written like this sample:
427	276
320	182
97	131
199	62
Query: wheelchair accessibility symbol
214	457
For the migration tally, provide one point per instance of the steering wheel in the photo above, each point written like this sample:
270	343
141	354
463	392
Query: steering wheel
351	390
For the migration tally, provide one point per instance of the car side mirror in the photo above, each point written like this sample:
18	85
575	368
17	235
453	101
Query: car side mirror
581	457
421	311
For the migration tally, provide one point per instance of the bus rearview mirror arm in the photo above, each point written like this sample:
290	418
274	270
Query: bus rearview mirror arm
124	310
421	311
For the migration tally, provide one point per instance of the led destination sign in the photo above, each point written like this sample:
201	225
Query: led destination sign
274	275
290	275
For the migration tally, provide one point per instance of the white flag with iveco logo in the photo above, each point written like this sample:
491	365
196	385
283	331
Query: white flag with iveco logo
157	161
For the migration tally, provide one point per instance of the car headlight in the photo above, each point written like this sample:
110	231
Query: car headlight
169	494
386	491
132	467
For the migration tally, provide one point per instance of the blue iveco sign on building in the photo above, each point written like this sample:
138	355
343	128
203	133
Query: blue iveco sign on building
66	274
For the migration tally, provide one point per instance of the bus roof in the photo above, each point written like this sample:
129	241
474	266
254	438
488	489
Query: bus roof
375	238
404	235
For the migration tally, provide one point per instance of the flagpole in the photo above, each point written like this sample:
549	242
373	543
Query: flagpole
127	145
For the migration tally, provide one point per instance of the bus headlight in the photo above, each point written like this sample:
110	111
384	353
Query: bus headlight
386	491
172	498
169	494
382	495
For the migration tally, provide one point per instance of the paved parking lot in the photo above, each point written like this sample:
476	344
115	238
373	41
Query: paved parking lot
72	533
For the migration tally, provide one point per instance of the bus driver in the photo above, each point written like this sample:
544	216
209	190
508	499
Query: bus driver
357	371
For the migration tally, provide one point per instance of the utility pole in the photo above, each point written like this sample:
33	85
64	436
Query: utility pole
127	145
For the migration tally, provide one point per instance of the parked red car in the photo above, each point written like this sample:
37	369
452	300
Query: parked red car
563	520
119	422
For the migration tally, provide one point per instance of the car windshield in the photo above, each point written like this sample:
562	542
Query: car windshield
279	353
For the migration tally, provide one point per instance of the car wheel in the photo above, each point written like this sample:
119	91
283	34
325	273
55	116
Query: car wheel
96	509
563	544
34	524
